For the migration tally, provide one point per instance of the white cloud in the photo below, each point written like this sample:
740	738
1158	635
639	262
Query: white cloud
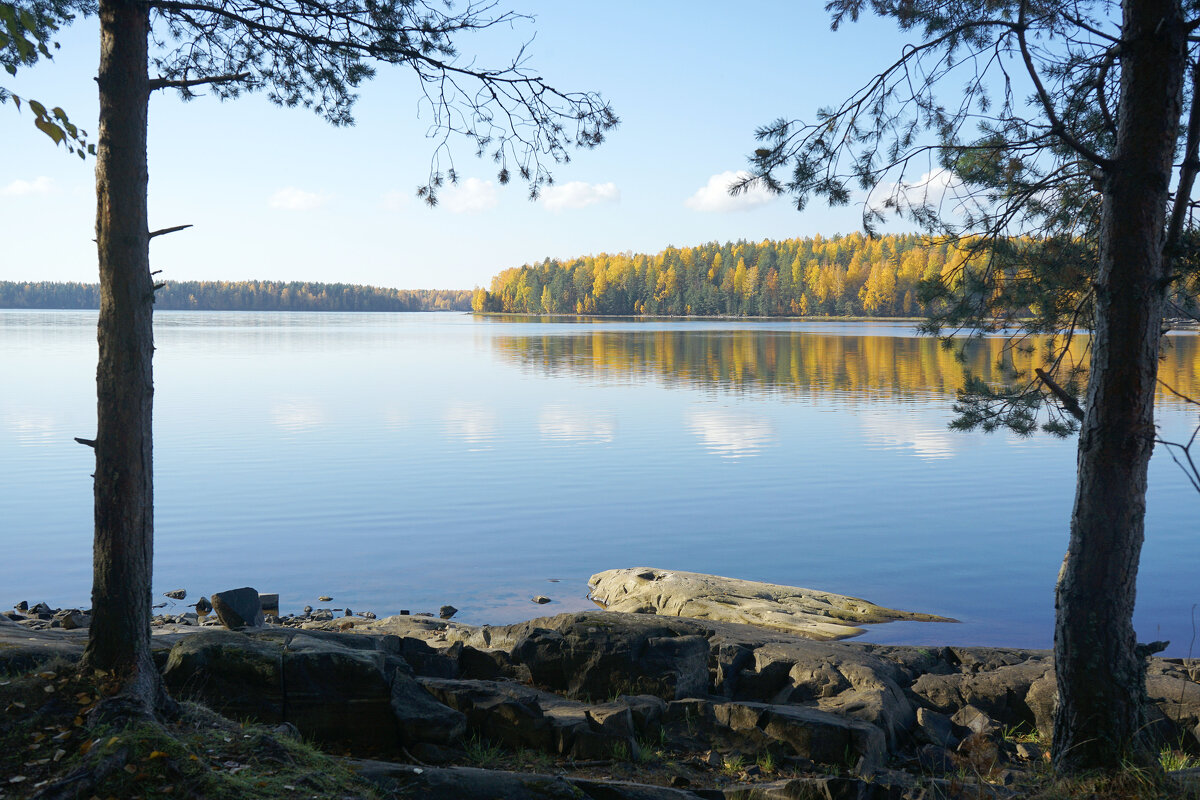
292	199
938	188
715	196
470	196
37	186
731	434
578	194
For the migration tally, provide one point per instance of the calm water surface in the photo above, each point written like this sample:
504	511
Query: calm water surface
404	461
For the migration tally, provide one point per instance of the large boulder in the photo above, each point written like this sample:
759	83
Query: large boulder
329	689
807	612
238	608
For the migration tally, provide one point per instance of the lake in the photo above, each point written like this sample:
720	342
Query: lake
406	461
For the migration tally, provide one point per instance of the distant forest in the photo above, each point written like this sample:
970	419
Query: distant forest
244	296
837	276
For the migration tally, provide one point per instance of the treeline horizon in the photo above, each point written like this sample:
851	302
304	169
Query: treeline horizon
842	275
242	296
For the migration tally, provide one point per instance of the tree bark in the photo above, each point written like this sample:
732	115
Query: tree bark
1100	673
119	641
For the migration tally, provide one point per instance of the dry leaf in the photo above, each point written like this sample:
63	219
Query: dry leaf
158	754
112	741
58	754
17	779
130	768
47	675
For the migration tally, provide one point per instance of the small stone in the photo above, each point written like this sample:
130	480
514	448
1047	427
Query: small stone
349	613
1029	751
308	609
23	606
42	608
714	759
541	599
753	771
176	594
404	612
446	612
324	598
203	606
368	615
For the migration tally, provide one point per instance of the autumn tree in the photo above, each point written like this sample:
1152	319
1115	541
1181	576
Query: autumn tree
314	54
1076	124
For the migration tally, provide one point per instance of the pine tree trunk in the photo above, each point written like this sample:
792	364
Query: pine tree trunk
119	640
1100	674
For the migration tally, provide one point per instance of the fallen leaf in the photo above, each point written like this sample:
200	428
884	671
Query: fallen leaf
130	768
47	675
48	689
112	741
17	779
58	754
78	722
87	746
37	737
158	754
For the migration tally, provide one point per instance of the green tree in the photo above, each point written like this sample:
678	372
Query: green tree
310	53
26	35
1067	131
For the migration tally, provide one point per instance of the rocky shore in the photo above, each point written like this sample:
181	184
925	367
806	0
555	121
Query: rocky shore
609	704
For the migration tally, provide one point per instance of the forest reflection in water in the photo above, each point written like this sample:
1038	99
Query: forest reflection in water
804	364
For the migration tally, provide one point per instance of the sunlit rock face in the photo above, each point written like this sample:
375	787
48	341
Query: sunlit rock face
807	612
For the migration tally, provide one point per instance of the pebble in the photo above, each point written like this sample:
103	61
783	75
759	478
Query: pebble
203	606
324	598
176	594
446	612
541	599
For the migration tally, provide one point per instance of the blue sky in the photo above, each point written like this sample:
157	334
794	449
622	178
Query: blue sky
279	194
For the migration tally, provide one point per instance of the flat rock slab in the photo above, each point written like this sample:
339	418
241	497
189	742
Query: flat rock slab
809	613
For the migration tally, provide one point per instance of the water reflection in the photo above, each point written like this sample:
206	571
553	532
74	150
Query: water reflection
32	428
860	368
298	416
563	425
471	423
731	434
895	430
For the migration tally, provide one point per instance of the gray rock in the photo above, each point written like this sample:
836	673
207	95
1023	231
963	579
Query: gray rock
176	594
976	721
998	689
325	598
934	758
936	729
238	608
807	612
591	658
333	689
540	599
446	612
203	606
468	783
1029	751
74	619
